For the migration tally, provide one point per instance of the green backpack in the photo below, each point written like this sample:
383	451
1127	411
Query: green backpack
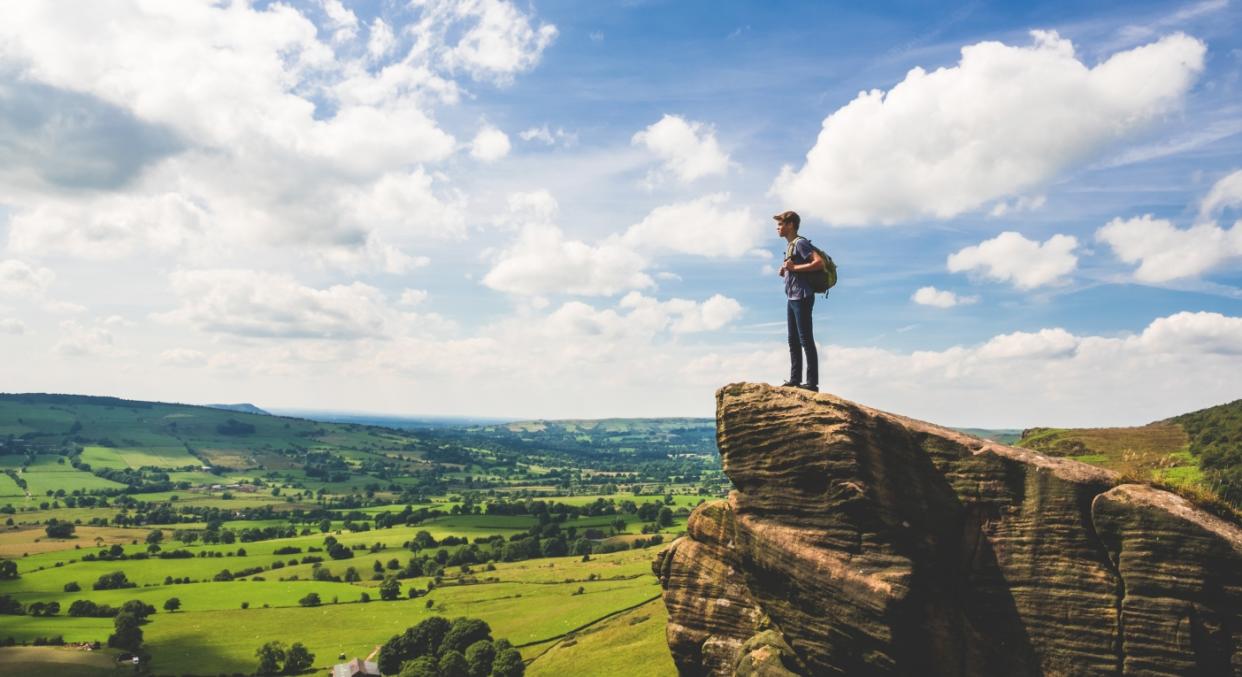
820	280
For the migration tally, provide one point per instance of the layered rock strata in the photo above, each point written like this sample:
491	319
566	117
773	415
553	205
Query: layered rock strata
863	543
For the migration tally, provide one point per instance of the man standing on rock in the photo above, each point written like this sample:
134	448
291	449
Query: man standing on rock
800	257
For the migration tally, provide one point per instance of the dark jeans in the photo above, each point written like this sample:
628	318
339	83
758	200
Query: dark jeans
802	337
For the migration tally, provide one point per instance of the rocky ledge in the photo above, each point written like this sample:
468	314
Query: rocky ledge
863	543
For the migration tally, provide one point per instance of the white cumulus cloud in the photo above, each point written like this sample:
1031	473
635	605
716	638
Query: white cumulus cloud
500	42
21	278
1194	332
682	316
182	357
939	298
1003	121
702	227
77	340
1226	193
1165	252
413	297
258	304
490	144
13	326
266	123
1045	343
381	40
1010	257
549	136
688	150
543	260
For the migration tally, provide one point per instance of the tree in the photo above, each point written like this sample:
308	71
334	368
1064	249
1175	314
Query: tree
270	656
311	599
390	589
58	529
155	537
127	635
453	664
479	657
8	570
10	606
113	581
172	604
665	517
391	655
138	608
464	632
424	666
508	663
298	659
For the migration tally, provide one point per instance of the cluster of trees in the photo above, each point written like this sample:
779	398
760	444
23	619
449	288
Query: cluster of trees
82	608
113	581
276	659
43	608
85	608
127	630
1216	438
437	647
10	606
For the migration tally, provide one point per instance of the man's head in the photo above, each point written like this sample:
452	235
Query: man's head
787	223
791	218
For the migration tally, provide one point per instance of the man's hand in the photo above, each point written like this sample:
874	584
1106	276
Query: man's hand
784	266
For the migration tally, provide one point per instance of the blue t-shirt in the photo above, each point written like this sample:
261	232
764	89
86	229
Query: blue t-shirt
795	286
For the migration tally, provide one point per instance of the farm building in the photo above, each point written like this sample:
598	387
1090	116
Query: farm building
356	668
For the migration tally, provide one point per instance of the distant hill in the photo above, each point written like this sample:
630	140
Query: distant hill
1202	448
998	435
169	435
397	422
108	443
244	407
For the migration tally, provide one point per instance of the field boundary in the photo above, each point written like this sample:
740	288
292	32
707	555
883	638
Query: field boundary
557	639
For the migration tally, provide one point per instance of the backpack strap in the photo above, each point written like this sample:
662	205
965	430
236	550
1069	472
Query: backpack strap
789	250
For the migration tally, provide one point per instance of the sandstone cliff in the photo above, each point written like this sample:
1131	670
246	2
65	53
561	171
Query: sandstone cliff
862	543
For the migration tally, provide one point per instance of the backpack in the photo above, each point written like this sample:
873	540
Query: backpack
820	280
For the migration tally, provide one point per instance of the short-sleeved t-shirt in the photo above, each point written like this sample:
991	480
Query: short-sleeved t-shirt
795	286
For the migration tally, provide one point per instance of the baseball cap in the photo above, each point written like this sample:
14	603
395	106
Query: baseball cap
791	217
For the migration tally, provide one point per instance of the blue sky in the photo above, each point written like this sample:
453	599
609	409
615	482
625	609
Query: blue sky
558	209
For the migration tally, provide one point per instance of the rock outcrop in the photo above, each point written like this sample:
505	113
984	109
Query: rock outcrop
862	543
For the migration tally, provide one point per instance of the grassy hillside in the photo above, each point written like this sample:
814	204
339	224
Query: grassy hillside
1199	452
1216	440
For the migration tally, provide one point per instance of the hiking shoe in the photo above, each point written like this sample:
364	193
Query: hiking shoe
791	384
809	387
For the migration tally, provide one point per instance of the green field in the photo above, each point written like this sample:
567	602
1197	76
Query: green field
9	488
630	643
523	613
120	469
159	457
18	660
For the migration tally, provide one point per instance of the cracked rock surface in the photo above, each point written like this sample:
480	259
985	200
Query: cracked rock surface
863	543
